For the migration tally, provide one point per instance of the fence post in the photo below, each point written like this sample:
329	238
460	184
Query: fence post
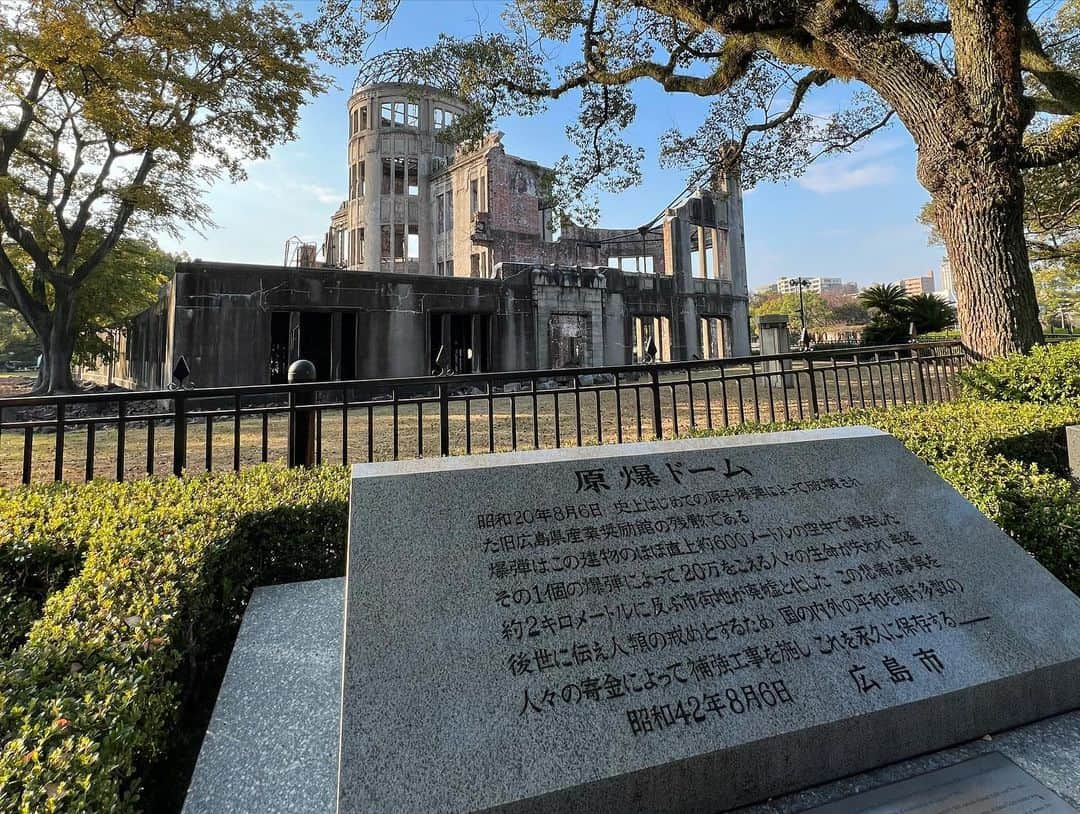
813	387
444	419
921	387
658	421
301	416
179	447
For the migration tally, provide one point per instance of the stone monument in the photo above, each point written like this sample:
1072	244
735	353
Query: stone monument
677	626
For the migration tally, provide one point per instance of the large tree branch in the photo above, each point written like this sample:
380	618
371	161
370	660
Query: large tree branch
854	138
1047	104
802	87
127	208
74	232
738	53
1063	84
10	139
1059	144
20	297
21	235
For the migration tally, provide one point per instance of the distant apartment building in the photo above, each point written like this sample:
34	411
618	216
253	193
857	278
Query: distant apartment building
817	285
913	286
947	291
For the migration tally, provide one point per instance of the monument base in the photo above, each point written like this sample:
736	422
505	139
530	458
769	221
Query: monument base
272	744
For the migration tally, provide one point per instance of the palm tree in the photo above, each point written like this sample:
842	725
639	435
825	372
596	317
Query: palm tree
888	301
929	313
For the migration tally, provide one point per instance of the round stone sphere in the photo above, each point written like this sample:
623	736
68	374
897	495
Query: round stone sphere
302	371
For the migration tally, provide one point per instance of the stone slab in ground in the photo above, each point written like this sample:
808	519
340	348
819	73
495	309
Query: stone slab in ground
679	626
271	747
988	784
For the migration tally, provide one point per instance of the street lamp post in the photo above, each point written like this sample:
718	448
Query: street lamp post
801	283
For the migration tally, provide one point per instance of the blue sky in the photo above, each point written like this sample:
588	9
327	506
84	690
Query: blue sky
852	216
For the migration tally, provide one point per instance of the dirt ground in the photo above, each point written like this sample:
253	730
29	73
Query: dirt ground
15	384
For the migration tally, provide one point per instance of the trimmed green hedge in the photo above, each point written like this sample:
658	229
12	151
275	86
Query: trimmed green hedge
43	536
91	699
1049	374
1010	460
104	703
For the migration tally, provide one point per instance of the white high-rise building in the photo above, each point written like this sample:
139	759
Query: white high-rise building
947	291
817	285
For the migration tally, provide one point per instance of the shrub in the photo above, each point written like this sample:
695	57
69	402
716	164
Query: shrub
885	331
92	696
43	535
1048	375
939	336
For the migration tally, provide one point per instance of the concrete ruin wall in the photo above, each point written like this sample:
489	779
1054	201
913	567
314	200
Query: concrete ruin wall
243	324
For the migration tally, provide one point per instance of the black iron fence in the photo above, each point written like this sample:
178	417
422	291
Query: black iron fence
125	435
1060	336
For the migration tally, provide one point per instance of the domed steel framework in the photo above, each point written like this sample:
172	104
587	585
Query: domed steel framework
409	67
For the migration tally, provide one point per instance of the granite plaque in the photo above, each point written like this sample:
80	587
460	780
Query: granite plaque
679	626
988	784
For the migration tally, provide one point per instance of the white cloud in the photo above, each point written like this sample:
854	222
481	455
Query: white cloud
873	163
324	195
838	177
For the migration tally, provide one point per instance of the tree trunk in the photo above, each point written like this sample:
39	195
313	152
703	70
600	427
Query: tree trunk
982	223
58	346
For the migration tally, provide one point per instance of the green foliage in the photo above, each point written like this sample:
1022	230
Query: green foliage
885	332
1049	374
884	300
820	310
929	313
127	112
817	310
1057	287
92	696
1007	459
17	341
894	311
887	305
126	284
940	336
44	534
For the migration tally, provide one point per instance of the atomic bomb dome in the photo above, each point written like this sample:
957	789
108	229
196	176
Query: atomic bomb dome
406	67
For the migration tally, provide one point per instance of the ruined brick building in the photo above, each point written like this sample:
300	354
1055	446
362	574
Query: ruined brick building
450	259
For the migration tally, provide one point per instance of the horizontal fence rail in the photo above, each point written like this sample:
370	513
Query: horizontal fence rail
130	434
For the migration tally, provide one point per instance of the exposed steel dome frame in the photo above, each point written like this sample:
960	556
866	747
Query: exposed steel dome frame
405	66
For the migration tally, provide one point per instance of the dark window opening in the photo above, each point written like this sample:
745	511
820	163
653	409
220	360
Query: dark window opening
348	346
279	347
315	342
459	343
385	250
